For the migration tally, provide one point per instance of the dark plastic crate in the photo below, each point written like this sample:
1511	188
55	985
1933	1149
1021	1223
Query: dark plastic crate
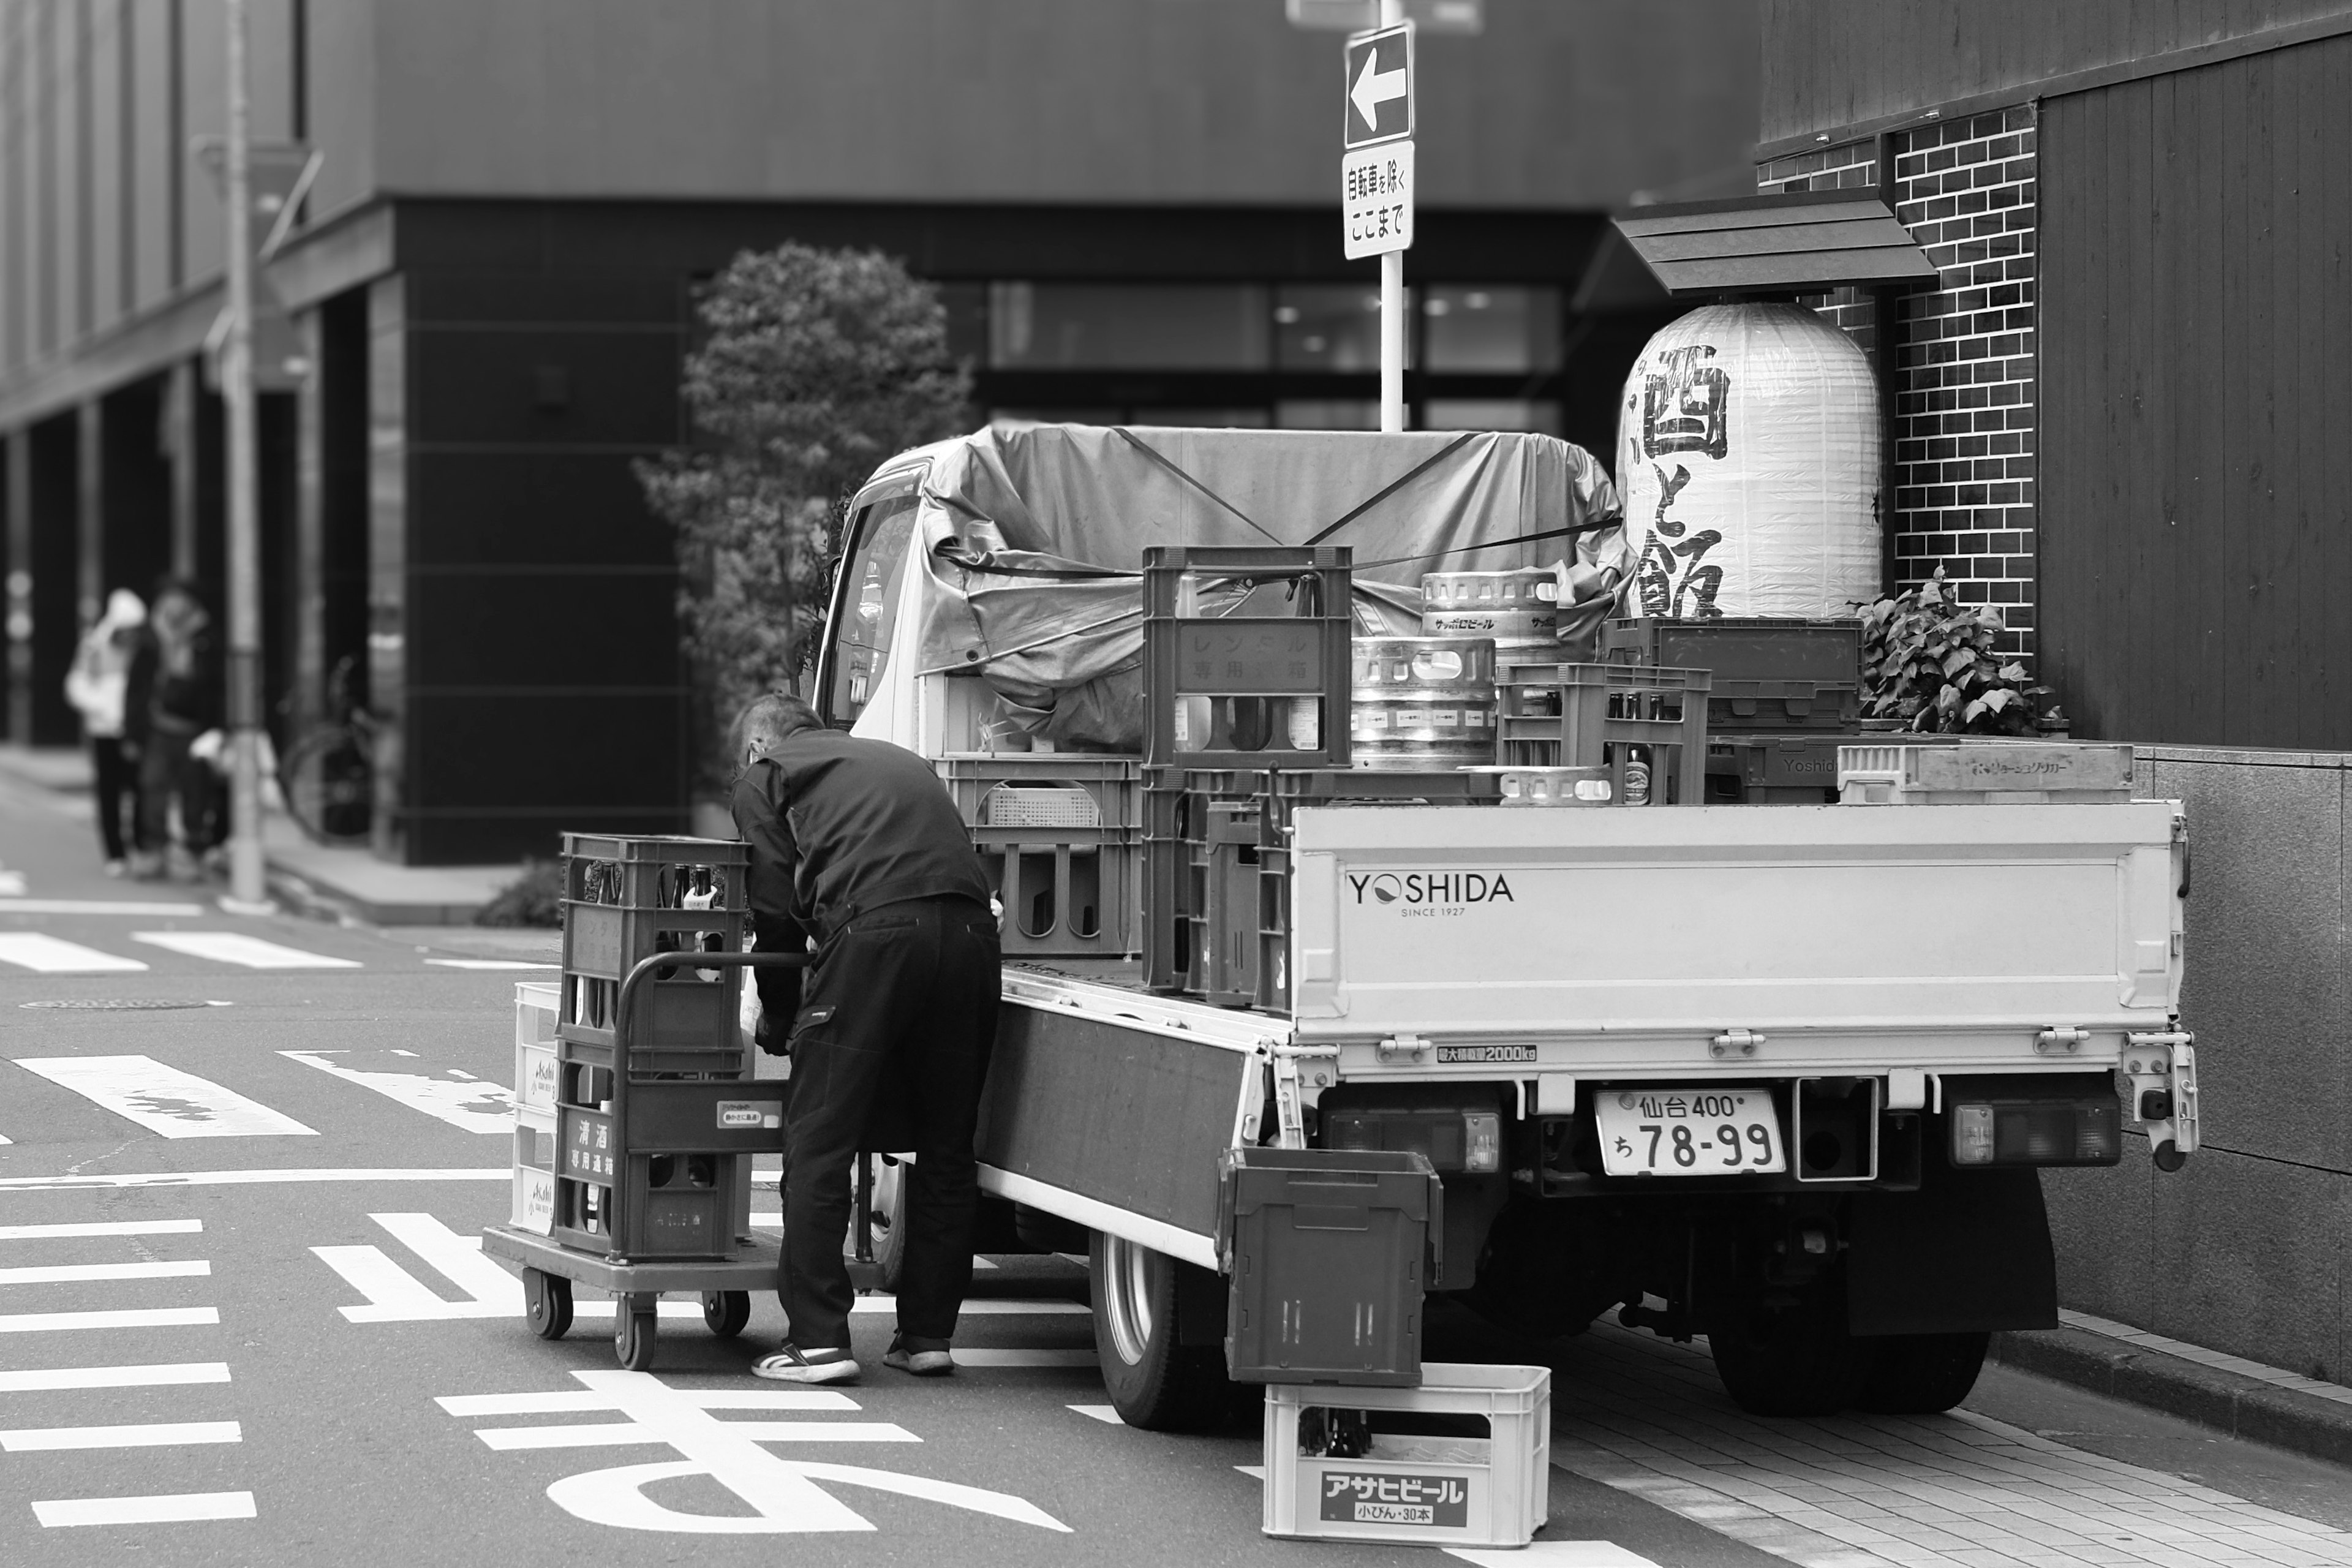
1578	715
1773	770
1246	673
1771	673
1329	1253
1059	835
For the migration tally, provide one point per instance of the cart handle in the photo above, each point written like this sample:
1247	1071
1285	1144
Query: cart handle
681	959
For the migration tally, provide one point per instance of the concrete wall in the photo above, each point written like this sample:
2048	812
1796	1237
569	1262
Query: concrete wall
2248	1248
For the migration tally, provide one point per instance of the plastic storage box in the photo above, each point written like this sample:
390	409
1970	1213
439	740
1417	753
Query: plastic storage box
534	1170
1769	673
1429	1490
1060	836
1984	772
1329	1253
537	1003
1645	724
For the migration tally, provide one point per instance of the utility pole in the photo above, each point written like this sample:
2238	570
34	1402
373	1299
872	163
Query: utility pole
247	889
1392	299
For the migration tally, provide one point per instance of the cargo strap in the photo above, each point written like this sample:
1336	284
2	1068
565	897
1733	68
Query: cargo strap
1410	475
1131	438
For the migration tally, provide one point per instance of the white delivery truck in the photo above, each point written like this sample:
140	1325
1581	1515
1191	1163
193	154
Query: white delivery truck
1784	1076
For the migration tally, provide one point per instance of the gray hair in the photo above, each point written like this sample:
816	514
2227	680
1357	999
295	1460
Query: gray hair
769	719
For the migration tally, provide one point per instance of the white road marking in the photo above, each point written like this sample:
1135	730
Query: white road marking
1024	1358
1107	1413
257	1178
616	1434
396	1296
1255	1472
783	1494
488	963
159	1375
568	1404
982	1307
112	1318
151	1434
145	911
163	1099
51	955
101	1227
1553	1554
464	1102
78	1273
175	1509
236	947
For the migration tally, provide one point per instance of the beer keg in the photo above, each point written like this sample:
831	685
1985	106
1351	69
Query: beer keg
1423	704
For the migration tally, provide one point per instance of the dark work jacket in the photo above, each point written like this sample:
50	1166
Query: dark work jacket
838	827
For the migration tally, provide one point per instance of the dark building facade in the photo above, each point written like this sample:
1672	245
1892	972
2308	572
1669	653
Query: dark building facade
1131	207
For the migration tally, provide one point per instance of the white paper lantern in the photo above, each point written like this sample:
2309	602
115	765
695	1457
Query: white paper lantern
1747	453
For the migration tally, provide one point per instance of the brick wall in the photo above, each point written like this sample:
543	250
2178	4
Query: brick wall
1961	366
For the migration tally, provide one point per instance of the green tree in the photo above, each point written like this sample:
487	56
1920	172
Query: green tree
817	364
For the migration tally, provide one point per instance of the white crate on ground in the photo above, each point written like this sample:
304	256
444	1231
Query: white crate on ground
1984	772
536	1002
534	1170
1429	1490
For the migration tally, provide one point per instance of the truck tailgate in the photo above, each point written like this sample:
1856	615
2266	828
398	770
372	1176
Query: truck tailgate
1969	922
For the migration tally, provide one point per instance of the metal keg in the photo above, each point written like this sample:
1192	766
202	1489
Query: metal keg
1423	704
1519	607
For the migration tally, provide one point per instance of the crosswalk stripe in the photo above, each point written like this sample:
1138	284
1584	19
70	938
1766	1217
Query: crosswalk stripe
163	1099
980	1306
488	963
79	1273
52	955
116	1318
151	1434
236	947
158	1376
1024	1358
178	1508
101	1227
468	1104
141	908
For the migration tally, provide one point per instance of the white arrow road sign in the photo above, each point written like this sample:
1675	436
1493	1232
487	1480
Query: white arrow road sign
1379	87
1376	199
782	1493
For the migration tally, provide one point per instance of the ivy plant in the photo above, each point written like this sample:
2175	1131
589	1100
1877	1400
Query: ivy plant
1932	662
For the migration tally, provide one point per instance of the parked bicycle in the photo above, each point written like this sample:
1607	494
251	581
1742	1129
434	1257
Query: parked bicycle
328	773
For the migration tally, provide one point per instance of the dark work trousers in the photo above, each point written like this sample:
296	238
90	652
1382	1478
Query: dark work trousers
115	779
888	1054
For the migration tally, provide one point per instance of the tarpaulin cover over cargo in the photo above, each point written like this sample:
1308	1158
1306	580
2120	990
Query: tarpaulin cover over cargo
1034	538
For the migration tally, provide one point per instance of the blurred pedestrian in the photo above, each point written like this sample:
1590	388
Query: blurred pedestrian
97	686
175	694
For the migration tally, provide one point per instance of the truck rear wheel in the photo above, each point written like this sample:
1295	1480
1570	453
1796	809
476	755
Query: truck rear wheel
1155	1381
1797	1360
1922	1374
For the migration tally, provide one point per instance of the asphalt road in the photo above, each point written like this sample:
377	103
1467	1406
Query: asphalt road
243	1321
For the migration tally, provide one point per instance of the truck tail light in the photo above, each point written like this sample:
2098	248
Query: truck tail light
1482	1142
2068	1129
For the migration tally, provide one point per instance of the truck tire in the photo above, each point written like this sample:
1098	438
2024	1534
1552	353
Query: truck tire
1154	1379
1922	1374
1794	1360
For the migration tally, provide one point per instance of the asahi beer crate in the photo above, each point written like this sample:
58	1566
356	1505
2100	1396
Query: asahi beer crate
1333	1473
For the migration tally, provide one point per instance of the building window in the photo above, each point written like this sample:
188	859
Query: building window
1539	414
1126	326
1477	328
1330	327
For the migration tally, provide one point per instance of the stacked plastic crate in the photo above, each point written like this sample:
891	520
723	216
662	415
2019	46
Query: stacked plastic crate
1784	693
1060	835
537	1003
670	1174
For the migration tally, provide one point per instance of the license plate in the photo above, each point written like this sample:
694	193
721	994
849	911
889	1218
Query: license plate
1485	1053
1688	1132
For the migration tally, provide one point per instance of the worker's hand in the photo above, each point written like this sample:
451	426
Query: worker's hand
771	1041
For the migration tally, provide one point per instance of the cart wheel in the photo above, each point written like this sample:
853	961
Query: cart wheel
547	1303
726	1312
632	1332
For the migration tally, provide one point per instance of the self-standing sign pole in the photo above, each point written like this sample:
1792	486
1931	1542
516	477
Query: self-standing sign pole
1376	180
247	888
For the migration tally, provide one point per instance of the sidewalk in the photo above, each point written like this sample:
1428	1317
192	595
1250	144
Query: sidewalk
2230	1394
320	879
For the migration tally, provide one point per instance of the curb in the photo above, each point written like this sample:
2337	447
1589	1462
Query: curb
2240	1406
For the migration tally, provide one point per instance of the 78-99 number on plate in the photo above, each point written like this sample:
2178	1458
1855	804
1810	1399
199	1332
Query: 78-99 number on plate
1689	1132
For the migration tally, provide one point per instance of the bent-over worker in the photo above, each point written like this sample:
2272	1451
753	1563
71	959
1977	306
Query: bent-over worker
858	843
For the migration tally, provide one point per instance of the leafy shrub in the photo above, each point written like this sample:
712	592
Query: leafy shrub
818	365
1930	661
533	899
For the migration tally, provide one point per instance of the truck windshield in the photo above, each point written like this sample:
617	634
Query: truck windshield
866	605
